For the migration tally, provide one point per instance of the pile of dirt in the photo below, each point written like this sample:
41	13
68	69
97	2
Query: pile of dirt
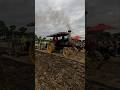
58	73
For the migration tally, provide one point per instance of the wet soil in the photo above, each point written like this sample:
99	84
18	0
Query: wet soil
58	73
16	75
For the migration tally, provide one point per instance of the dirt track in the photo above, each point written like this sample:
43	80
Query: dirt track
106	78
16	75
57	73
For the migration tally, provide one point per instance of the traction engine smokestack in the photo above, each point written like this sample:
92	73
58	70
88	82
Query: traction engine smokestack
69	32
69	35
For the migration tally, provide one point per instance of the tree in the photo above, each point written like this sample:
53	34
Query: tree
39	42
22	29
31	24
11	30
36	37
12	27
11	36
3	29
23	38
44	39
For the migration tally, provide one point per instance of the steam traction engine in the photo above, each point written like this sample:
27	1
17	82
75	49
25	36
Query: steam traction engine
62	43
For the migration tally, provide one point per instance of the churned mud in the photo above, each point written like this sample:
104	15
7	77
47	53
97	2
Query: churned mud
58	73
16	75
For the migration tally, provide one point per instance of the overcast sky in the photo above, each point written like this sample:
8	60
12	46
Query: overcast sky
53	15
17	12
103	11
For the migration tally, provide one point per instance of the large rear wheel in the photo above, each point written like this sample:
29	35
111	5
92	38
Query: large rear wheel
69	51
50	47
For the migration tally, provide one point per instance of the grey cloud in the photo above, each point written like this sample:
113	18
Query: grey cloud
103	11
18	12
49	12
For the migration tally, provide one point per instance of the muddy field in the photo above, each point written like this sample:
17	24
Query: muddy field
16	75
105	78
53	72
58	73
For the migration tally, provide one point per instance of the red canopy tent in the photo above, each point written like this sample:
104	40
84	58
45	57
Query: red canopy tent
99	28
77	37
